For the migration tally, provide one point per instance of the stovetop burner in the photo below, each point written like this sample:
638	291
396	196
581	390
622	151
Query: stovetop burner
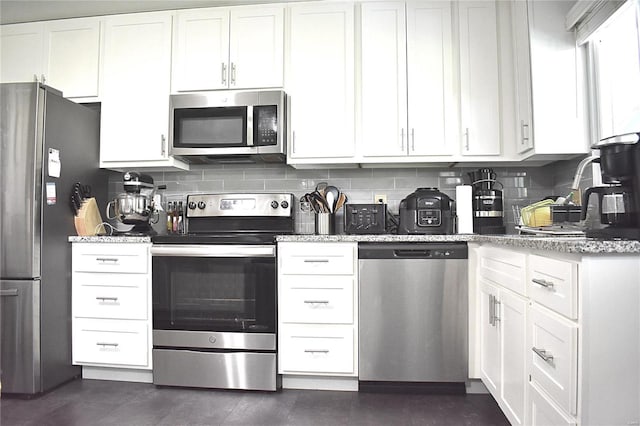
227	238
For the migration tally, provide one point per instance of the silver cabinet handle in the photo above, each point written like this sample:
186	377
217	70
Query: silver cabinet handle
107	259
466	139
313	302
10	292
492	306
402	139
44	79
163	145
313	351
233	73
496	310
413	140
316	261
115	345
546	357
105	298
524	132
293	142
224	74
544	283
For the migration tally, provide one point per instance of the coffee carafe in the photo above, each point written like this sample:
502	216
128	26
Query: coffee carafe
619	200
488	205
135	206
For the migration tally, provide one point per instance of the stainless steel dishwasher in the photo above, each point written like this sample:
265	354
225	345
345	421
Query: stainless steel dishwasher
413	316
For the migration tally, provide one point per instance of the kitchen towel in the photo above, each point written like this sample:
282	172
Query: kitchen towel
464	209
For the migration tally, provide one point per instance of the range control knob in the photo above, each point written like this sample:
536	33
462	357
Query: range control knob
192	205
284	204
274	204
202	205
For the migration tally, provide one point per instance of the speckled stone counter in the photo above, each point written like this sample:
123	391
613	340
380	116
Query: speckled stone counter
110	239
578	245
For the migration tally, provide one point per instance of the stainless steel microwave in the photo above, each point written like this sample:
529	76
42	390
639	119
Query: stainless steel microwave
229	126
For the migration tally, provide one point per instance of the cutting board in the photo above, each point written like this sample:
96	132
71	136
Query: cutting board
89	221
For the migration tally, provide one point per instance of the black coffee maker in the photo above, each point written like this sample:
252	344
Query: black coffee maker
619	201
488	205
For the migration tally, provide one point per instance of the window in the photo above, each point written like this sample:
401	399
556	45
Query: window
615	73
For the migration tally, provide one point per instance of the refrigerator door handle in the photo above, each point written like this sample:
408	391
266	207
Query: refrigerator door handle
7	293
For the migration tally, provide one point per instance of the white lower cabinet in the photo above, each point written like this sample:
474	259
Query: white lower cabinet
564	348
317	310
111	310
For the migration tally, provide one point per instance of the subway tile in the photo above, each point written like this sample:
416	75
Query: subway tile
350	173
181	187
285	185
184	176
307	173
395	173
271	173
419	182
374	184
219	173
210	186
244	185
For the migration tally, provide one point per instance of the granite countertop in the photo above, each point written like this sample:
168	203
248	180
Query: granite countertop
580	245
110	239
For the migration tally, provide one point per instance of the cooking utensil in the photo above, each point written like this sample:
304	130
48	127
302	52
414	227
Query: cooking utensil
331	195
321	186
342	199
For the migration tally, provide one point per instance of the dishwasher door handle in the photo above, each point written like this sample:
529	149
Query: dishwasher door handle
402	253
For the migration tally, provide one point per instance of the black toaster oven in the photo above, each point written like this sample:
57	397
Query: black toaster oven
365	218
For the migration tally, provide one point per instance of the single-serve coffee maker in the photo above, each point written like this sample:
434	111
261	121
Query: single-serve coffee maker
135	206
619	200
488	204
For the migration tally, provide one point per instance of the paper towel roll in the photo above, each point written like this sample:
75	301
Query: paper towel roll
464	209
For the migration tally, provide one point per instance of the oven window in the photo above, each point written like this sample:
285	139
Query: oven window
214	294
210	127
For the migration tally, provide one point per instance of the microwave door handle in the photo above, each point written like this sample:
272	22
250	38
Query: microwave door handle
250	126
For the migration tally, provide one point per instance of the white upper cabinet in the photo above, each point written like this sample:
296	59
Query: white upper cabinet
135	92
320	82
479	78
64	54
384	80
550	98
408	99
228	48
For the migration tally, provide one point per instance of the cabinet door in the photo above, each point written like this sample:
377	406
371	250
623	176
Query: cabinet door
431	96
513	324
73	56
320	81
489	338
479	78
384	80
522	64
256	51
201	50
21	52
135	96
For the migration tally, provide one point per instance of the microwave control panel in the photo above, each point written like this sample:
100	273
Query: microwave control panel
266	129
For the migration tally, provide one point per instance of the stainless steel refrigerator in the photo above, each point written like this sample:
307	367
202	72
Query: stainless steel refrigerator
47	143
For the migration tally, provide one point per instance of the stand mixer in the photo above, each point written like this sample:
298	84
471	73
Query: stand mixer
135	206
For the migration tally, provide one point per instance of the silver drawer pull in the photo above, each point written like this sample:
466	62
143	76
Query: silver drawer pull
313	302
544	283
10	292
548	358
107	259
316	351
316	261
111	299
114	345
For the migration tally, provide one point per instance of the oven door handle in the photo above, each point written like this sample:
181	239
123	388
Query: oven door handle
205	250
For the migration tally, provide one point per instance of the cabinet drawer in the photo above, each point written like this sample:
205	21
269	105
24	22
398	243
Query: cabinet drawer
128	258
504	267
543	412
317	258
554	356
117	296
553	283
316	299
317	349
110	342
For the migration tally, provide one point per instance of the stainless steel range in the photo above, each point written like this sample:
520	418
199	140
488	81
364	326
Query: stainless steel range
214	293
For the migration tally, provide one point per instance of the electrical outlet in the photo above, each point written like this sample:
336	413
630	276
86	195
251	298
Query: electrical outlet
380	198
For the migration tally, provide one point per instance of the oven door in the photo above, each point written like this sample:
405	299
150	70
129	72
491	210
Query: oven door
214	288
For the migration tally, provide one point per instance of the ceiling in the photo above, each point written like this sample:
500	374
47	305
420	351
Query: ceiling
15	11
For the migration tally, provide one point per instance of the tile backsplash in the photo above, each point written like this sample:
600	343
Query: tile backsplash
522	185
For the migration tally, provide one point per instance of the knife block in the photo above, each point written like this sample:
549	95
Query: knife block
88	221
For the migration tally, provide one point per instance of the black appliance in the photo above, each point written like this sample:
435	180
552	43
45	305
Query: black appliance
214	293
619	201
488	205
365	218
426	211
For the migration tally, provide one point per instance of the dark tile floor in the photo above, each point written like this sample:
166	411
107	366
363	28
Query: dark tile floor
98	403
